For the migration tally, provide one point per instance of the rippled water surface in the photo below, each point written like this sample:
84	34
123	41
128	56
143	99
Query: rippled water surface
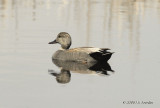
130	28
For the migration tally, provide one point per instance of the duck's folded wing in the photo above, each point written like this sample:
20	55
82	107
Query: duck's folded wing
88	50
99	54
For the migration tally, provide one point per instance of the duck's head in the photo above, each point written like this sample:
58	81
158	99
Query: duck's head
63	39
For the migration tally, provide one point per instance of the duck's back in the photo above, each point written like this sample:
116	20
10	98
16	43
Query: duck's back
83	54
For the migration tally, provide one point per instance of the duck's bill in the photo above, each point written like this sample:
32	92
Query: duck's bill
53	42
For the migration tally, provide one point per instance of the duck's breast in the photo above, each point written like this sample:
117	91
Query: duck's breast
72	55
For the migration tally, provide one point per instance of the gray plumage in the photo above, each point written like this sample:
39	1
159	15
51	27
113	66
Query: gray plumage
82	54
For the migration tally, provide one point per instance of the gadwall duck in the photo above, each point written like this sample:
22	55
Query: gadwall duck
81	54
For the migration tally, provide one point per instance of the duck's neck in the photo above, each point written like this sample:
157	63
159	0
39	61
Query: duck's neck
67	46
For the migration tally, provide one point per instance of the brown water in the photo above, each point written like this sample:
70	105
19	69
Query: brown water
131	28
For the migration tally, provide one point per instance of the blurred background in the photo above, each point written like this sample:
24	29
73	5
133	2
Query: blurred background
130	28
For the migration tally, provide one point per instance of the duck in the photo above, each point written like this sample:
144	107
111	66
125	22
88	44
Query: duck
80	54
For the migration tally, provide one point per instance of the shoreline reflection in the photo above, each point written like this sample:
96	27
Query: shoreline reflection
64	76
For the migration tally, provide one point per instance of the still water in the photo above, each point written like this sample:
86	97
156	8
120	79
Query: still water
130	28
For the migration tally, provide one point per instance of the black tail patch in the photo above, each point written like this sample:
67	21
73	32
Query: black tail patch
102	56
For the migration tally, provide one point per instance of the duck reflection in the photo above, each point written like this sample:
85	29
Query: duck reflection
64	76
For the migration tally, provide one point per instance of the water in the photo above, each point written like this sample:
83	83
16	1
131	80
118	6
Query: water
129	27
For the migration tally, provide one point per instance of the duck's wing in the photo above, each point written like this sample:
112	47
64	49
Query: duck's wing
99	54
88	50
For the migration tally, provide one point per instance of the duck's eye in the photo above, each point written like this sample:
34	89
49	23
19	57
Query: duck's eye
59	36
